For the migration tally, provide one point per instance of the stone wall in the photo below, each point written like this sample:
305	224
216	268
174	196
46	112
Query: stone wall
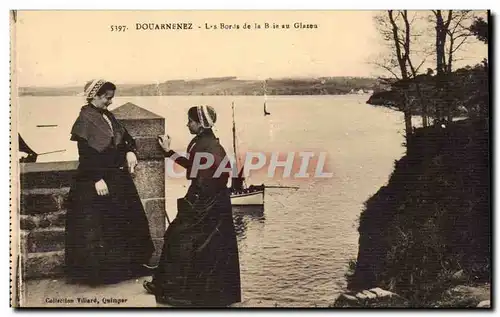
45	187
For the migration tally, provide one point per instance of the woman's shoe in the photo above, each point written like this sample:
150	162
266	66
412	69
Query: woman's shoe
149	287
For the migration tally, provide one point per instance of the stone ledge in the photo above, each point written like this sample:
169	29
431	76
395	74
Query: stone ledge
48	167
46	191
50	175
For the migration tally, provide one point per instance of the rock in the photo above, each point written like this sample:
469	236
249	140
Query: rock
459	276
382	293
44	264
346	300
369	294
484	304
465	296
479	293
28	222
350	298
375	297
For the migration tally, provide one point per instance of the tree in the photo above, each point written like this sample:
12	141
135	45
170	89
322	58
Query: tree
452	32
479	28
408	43
458	33
397	30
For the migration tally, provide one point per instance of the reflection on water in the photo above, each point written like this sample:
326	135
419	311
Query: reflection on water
243	216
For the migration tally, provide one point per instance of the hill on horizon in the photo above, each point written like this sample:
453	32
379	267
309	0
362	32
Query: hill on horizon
229	85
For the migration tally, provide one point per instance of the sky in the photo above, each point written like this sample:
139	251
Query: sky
67	48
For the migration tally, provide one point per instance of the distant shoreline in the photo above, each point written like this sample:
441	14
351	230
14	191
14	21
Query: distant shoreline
228	86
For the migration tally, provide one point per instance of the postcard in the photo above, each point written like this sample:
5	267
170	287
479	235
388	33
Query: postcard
244	159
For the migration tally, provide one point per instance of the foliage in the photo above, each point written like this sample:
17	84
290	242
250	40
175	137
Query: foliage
433	217
479	29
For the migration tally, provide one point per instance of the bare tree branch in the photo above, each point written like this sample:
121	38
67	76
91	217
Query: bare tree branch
422	63
461	35
413	18
389	69
460	44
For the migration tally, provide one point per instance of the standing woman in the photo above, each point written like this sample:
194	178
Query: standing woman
199	264
107	231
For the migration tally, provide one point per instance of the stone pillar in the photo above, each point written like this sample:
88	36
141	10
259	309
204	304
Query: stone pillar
145	126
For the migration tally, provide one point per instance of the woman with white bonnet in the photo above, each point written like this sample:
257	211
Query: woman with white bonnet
199	264
107	232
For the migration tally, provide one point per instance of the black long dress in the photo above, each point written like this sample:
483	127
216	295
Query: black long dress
107	237
199	264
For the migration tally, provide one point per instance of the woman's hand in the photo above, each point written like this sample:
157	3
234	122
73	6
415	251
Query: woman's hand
101	188
131	162
164	141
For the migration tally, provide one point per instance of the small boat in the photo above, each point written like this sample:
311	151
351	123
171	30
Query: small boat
241	195
24	147
32	156
251	196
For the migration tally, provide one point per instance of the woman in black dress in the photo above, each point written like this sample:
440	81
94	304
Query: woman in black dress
199	264
107	231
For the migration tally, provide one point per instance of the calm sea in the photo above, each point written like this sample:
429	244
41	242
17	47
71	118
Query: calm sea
294	252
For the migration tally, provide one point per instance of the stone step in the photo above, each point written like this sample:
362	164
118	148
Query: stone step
47	174
53	219
43	200
45	240
43	264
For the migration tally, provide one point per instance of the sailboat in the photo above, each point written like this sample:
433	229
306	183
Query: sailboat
265	110
266	113
241	195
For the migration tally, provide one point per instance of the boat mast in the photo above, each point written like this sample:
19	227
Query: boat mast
265	94
234	139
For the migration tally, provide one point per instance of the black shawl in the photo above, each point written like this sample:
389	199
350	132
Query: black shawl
92	127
